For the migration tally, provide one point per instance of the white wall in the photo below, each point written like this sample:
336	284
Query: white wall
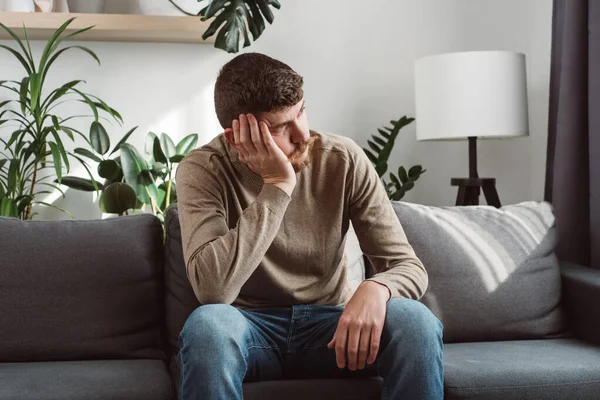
357	60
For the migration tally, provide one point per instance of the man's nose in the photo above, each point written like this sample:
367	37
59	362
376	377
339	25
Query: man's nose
298	134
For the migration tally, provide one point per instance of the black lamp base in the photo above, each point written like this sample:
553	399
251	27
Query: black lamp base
469	190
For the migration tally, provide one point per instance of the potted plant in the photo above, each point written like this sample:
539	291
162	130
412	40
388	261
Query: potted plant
34	143
132	181
380	149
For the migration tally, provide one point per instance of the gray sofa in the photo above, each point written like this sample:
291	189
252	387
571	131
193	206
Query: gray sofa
93	309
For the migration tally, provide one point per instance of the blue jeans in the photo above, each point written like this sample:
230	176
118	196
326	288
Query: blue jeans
222	346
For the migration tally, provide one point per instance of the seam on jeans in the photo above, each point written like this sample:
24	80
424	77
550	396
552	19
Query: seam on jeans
498	388
288	342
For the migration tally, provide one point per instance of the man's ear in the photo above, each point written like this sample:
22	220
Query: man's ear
229	136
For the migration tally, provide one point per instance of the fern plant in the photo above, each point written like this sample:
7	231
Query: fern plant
381	148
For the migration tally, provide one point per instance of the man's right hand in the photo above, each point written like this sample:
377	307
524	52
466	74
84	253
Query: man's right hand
258	150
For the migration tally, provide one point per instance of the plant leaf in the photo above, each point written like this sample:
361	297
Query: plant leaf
88	154
167	145
99	138
8	208
402	174
371	156
13	175
415	171
108	169
123	140
23	94
56	158
61	148
187	144
158	153
235	17
117	198
149	144
77	183
373	146
133	166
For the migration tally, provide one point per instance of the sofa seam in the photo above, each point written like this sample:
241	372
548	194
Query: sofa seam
497	388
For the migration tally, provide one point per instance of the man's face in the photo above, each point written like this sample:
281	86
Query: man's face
289	128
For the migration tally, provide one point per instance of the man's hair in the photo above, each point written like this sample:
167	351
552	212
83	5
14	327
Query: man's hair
255	83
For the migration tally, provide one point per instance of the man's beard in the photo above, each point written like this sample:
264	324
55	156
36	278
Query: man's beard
299	153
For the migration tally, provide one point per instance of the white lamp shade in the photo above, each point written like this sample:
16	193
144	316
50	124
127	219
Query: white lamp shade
477	93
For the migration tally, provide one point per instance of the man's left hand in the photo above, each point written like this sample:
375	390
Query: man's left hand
360	326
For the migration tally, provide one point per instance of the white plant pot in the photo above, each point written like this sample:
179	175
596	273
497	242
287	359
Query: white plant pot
47	6
87	6
19	6
151	7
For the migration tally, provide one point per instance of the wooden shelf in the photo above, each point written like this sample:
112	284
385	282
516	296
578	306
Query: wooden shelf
109	27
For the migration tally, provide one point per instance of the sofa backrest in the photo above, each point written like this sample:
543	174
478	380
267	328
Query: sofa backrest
74	290
180	300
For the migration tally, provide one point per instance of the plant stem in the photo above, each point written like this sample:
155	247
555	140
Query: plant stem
181	9
168	191
33	180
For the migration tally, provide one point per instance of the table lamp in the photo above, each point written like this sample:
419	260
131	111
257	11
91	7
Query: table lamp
469	95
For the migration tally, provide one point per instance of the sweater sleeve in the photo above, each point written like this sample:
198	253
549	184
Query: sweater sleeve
220	260
379	231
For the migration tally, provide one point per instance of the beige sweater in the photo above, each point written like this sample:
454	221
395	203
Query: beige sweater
251	245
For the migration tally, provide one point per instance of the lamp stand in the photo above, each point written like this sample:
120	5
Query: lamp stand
470	188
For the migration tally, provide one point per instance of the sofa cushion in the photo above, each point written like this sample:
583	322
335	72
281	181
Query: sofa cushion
493	274
301	389
90	380
522	370
76	290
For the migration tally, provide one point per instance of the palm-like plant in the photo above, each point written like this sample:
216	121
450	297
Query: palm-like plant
38	131
381	148
234	18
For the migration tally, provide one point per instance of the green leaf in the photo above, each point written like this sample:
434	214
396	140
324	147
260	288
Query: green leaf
61	148
18	57
34	89
383	133
28	66
23	202
415	171
133	166
99	138
56	157
74	182
402	174
8	208
88	154
379	140
117	198
381	168
187	144
123	140
108	169
2	162
371	156
233	17
149	144
13	175
408	185
374	147
167	145
158	153
398	195
395	180
23	94
176	158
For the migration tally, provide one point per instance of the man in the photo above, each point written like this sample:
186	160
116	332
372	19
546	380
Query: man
264	210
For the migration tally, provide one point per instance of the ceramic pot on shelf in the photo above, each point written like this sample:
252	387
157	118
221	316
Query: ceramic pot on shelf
19	6
87	6
47	6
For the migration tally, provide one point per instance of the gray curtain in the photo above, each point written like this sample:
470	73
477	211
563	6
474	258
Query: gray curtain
573	159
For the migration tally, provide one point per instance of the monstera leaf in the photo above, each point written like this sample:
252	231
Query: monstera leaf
235	17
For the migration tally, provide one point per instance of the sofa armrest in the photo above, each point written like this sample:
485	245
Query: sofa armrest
581	298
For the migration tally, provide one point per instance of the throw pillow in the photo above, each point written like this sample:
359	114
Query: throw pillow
493	274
